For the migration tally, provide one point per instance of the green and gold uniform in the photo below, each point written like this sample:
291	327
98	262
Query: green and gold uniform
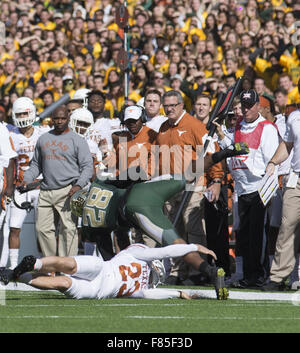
108	208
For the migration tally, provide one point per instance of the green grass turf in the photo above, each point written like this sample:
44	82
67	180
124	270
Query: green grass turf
51	312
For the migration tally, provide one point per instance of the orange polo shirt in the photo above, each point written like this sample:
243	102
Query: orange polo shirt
182	140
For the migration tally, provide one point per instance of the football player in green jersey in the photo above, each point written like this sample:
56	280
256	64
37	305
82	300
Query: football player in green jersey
110	204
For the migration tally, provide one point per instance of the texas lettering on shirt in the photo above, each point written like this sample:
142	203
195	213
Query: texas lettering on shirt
52	150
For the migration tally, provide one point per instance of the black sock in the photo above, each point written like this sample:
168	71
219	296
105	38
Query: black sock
205	268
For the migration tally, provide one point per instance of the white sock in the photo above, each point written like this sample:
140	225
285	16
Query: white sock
38	264
13	257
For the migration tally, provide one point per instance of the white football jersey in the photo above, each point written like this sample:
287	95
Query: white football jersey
123	275
6	151
95	151
101	130
24	147
128	273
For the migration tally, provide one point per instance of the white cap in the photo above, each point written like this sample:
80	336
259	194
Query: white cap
67	77
133	112
144	57
176	77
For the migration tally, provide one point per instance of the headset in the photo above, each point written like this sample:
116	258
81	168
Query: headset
143	115
25	205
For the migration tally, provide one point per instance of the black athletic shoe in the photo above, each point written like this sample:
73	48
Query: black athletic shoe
241	284
26	265
6	275
217	278
273	287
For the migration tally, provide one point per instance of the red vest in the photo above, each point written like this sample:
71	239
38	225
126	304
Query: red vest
252	138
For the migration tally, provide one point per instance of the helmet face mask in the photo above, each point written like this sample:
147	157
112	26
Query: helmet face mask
23	112
158	273
81	121
77	202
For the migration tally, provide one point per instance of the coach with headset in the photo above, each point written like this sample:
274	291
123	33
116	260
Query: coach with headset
183	135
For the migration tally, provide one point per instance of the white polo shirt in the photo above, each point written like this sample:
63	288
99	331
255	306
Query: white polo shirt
293	135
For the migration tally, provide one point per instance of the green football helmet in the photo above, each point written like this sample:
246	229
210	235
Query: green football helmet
77	202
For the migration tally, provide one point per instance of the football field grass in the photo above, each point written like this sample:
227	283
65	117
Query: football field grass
52	312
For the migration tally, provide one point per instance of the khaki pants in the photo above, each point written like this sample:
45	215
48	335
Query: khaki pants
54	216
288	240
190	227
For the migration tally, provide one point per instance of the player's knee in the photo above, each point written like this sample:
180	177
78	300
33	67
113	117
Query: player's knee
169	237
67	265
179	241
63	283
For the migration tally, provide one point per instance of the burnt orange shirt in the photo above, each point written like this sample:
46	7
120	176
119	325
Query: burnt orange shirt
183	140
135	150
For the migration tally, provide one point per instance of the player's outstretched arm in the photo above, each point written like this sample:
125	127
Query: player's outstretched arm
231	151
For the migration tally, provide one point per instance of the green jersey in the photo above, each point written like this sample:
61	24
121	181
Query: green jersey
102	205
108	207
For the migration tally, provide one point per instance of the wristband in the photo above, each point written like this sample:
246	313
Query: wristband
272	163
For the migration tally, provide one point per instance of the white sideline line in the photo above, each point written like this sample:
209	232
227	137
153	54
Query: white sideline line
204	293
143	317
211	318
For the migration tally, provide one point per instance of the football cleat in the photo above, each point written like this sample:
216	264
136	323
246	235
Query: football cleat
6	275
221	291
217	278
26	265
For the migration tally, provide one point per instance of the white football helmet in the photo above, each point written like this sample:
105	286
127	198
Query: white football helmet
82	95
23	105
158	273
81	115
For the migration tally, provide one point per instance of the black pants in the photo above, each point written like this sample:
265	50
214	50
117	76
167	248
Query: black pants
216	223
252	238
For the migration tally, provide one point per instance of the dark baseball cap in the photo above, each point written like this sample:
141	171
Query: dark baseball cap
249	98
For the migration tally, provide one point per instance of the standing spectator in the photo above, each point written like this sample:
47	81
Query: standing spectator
179	130
66	163
152	105
285	81
101	129
262	138
215	208
287	244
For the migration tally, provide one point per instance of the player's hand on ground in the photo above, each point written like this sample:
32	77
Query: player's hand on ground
184	295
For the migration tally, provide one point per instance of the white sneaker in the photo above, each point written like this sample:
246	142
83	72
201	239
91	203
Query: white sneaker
295	285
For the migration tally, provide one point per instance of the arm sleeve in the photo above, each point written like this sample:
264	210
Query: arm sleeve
150	254
156	293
